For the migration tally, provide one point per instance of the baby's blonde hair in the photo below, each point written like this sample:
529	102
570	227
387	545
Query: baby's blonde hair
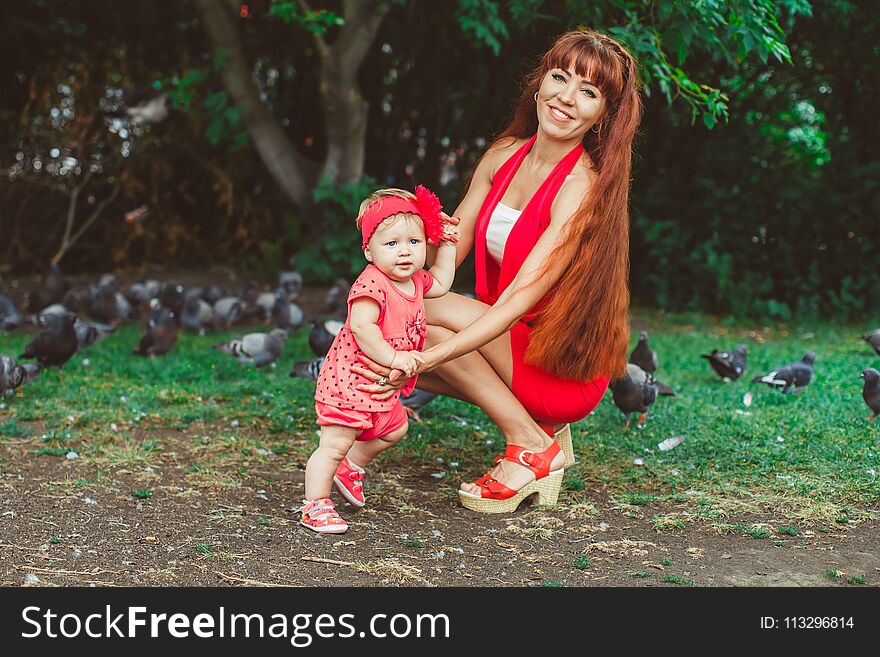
384	193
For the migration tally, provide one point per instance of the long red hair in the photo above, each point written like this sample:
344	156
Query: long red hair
583	330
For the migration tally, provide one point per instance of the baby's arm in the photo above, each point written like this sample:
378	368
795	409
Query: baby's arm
363	316
443	269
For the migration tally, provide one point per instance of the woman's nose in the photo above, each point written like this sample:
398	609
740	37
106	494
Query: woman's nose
567	94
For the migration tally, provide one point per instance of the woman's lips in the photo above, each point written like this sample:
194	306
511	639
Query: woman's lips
560	115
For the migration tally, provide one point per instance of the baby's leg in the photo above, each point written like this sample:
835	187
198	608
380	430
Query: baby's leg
335	443
364	451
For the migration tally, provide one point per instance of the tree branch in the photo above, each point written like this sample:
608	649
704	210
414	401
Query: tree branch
71	215
319	40
68	241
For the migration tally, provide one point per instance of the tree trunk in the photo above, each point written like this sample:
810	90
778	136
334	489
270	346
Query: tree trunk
344	107
291	171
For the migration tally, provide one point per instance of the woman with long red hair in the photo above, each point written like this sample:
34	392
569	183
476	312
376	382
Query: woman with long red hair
546	213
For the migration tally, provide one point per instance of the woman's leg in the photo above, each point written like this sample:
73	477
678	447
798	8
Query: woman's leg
484	378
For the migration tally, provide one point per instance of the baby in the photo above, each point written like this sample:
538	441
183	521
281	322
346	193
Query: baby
386	322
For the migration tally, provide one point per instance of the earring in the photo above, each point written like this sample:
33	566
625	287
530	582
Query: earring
536	96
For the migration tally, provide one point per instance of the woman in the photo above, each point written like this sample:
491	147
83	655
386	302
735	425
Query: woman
546	213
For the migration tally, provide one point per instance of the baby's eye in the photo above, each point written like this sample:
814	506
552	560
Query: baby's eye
391	243
415	241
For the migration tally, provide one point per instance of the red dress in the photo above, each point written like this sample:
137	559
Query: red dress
547	397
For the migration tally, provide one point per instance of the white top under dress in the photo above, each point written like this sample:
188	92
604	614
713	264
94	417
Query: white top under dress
500	224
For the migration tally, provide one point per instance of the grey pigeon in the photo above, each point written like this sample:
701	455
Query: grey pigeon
55	285
643	355
871	391
322	334
50	314
197	314
286	315
14	375
292	282
794	377
140	292
307	369
728	364
160	335
416	401
55	345
336	299
108	304
633	392
265	302
10	318
87	333
873	339
212	294
228	310
257	348
639	375
172	295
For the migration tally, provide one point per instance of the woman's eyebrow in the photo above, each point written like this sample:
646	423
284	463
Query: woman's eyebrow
585	81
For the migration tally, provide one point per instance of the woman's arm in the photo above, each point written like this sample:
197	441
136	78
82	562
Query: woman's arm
526	289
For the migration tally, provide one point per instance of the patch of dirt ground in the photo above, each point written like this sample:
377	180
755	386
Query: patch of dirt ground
64	523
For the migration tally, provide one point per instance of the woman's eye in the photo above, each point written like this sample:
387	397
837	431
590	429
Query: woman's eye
558	77
589	93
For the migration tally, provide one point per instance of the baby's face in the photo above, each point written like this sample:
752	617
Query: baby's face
398	248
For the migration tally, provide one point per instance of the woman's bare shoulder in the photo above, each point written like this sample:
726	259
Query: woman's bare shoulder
499	152
573	190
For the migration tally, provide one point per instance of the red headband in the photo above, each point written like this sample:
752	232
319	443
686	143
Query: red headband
426	205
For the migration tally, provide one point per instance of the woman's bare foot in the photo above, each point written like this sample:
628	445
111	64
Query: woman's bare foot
513	475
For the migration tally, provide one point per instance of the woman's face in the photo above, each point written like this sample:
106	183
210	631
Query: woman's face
568	104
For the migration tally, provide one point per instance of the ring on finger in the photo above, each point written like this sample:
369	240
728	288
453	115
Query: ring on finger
383	381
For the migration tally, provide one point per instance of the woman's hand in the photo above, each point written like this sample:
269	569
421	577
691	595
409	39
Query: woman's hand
382	384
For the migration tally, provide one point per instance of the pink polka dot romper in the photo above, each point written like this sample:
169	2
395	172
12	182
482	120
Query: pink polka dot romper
403	324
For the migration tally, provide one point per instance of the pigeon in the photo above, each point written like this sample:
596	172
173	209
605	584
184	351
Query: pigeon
292	282
633	392
14	375
643	355
871	391
265	302
286	315
172	295
639	375
307	369
10	318
140	292
197	314
322	334
729	364
794	377
87	333
257	348
212	294
55	345
336	299
107	304
228	310
55	285
416	401
161	333
873	339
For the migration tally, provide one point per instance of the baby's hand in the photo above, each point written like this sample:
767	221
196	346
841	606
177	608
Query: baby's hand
407	361
451	235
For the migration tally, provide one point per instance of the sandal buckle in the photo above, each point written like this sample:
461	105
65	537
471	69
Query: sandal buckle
521	460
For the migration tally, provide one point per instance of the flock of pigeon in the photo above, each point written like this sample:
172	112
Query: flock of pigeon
72	318
636	390
58	308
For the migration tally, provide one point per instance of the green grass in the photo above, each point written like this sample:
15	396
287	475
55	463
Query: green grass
142	493
732	468
857	579
675	579
581	562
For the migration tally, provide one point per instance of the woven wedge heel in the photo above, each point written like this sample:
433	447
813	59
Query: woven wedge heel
563	437
495	497
547	489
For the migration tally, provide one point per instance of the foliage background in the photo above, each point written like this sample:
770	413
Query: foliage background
754	191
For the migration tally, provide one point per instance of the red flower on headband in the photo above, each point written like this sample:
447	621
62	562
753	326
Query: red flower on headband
429	211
